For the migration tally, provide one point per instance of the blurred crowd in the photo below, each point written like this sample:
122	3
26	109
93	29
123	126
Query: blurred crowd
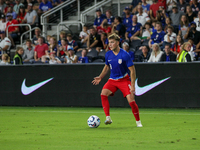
150	31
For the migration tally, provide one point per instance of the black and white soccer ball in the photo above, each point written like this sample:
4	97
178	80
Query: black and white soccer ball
93	121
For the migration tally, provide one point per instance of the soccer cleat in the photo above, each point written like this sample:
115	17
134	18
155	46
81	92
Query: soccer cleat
139	124
108	120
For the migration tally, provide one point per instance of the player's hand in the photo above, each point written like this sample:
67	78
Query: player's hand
96	80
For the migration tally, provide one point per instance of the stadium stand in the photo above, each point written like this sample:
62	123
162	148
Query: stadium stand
59	18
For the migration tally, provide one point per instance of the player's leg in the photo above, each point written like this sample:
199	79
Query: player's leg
107	90
125	86
135	109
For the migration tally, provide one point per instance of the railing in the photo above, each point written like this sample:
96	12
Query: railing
20	25
92	9
54	10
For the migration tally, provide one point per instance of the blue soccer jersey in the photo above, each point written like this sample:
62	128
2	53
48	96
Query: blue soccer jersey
133	29
98	21
118	64
127	21
157	37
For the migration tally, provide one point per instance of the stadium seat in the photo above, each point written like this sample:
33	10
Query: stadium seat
145	43
137	53
102	54
78	54
98	61
135	43
92	55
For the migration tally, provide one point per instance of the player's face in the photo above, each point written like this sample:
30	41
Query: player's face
113	44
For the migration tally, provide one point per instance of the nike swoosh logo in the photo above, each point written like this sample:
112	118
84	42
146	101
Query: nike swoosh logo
28	90
142	90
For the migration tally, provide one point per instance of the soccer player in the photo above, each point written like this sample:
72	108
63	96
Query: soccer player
119	62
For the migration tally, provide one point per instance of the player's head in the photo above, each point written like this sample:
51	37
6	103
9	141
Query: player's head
114	40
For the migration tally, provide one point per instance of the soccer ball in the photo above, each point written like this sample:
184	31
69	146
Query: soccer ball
93	121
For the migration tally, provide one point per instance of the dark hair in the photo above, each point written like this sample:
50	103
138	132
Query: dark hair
147	47
109	11
23	13
168	45
170	27
176	43
29	41
119	18
105	34
92	28
159	23
192	39
186	23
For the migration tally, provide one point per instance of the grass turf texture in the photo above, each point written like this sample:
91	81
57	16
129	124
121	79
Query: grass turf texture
44	128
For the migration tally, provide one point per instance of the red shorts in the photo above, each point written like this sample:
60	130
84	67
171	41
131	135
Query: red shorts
124	85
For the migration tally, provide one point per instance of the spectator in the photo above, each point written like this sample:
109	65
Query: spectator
146	33
133	31
197	51
11	12
193	33
104	41
40	50
31	16
21	14
93	39
57	2
70	57
36	36
28	52
12	30
110	18
155	54
45	5
8	4
71	42
83	58
192	52
3	23
168	55
154	8
142	17
134	4
17	6
196	20
83	34
184	26
146	7
5	59
157	36
176	15
195	6
127	20
144	57
176	47
62	36
168	22
54	59
48	39
104	28
190	14
63	47
100	17
118	27
2	6
53	47
170	37
170	4
182	5
184	56
17	60
161	15
5	44
126	47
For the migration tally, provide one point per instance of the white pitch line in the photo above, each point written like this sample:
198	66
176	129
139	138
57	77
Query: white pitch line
76	112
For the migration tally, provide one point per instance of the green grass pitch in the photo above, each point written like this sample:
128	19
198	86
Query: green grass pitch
52	128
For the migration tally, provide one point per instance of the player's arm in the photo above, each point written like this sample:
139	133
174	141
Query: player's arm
133	77
101	76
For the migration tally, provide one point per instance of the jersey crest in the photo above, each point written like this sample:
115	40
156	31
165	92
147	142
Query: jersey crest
119	61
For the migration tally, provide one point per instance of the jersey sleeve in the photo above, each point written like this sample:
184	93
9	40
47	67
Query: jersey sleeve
106	59
128	60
